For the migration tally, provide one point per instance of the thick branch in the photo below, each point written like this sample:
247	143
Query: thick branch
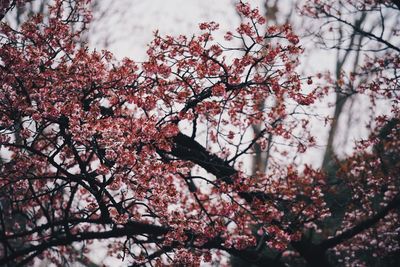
397	3
186	148
130	229
362	226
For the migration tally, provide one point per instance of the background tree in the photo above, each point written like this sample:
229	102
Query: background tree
363	33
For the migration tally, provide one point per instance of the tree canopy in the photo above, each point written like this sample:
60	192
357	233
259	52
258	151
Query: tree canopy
150	157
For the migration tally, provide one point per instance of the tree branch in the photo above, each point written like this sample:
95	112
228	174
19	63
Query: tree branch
364	225
130	229
397	3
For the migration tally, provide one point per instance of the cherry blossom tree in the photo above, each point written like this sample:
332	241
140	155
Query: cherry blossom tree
150	158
